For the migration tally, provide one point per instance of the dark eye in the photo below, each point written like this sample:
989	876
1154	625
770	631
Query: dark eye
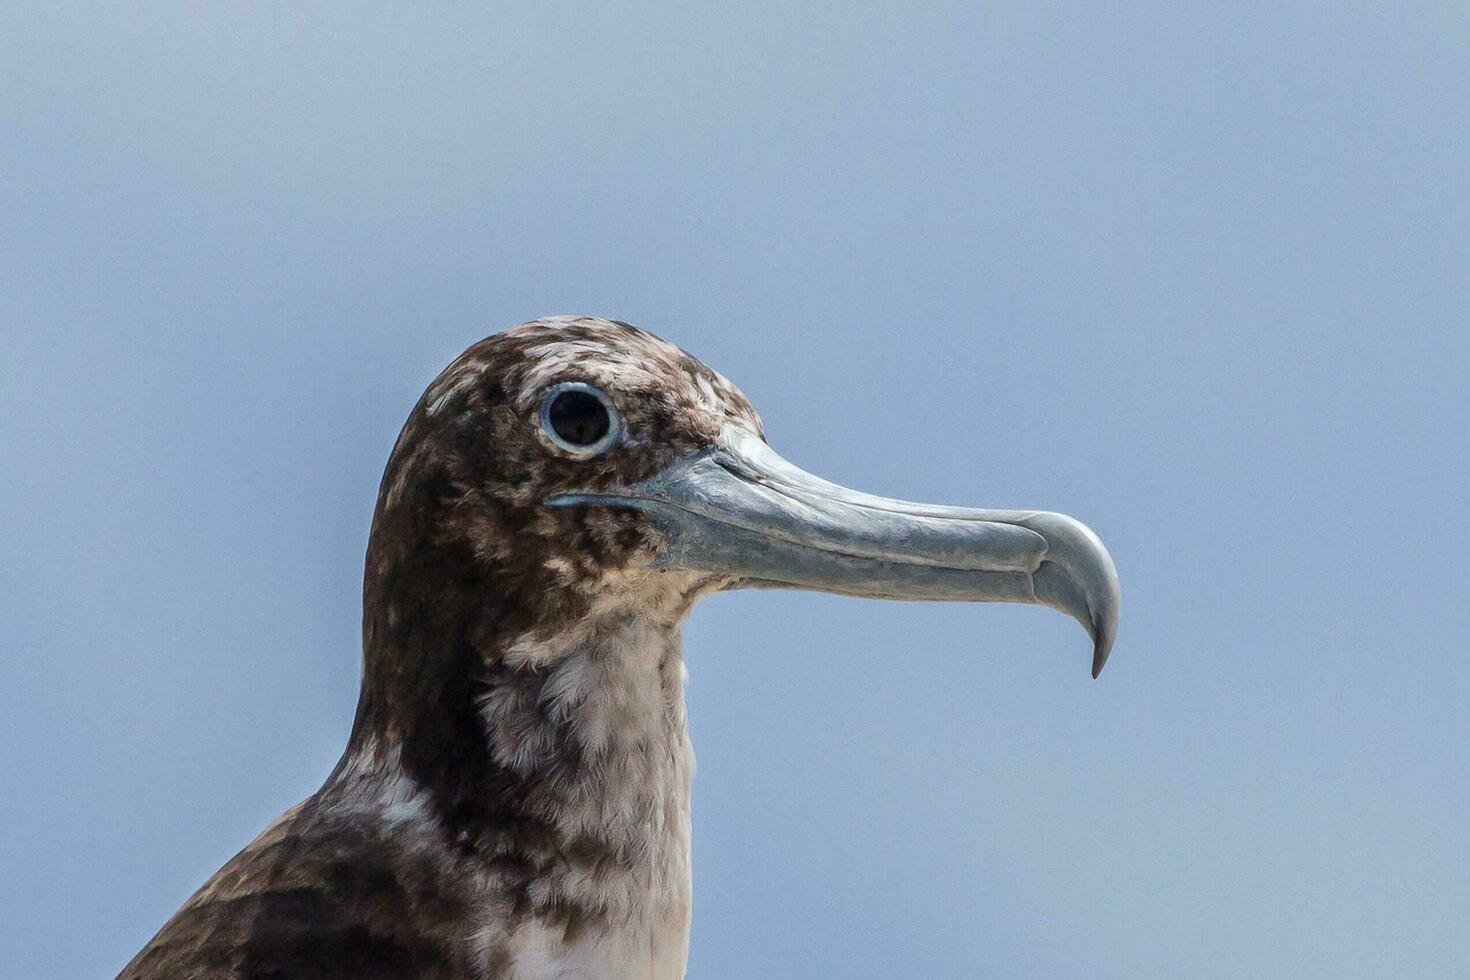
579	419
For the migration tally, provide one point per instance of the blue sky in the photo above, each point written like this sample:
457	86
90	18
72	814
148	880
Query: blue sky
1198	276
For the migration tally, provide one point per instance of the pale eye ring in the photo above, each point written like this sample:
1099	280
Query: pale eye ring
580	420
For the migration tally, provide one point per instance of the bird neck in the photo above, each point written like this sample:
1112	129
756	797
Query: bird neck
553	755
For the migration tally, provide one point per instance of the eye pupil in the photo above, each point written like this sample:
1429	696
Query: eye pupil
578	417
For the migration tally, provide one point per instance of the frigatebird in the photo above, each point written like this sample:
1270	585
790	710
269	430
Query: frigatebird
513	801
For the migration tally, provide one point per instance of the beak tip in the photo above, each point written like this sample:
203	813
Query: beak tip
1104	630
1078	578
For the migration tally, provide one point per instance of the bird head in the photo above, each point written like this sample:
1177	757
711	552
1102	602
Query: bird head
570	462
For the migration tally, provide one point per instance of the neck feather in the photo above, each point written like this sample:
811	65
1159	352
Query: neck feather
553	755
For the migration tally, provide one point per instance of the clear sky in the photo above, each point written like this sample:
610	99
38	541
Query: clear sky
1198	276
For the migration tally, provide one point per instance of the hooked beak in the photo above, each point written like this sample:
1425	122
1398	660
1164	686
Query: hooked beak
740	510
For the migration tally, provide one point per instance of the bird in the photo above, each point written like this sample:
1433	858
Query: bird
513	800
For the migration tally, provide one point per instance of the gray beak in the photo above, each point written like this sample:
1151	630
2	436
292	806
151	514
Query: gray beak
741	511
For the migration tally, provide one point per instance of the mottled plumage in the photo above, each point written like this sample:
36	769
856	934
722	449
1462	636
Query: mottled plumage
513	799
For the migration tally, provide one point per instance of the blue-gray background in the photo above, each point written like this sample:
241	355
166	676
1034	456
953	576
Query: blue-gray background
1197	276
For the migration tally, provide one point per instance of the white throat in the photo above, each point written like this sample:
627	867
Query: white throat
601	728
